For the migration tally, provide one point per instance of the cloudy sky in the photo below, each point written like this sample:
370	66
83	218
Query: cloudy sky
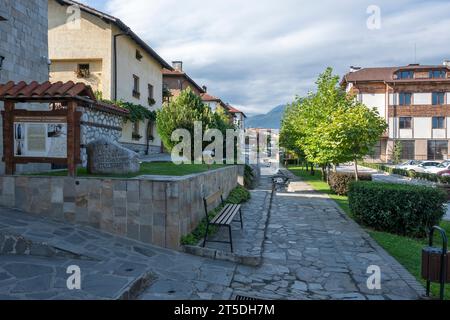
257	54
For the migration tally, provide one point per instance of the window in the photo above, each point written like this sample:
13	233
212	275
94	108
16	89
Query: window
408	149
404	99
138	55
437	149
438	74
83	70
438	98
438	122
135	135
405	122
136	92
151	99
405	75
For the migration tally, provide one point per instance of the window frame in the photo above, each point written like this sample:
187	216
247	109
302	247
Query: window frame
402	98
139	55
80	73
136	85
400	123
401	73
442	74
436	98
438	122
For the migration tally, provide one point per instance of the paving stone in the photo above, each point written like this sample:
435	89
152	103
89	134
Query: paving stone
301	286
23	270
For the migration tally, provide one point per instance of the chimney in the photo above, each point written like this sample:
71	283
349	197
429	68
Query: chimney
354	69
205	88
178	65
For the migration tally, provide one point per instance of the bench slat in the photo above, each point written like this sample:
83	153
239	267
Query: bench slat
226	216
236	210
220	216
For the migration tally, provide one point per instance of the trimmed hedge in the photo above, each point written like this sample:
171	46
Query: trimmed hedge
407	210
340	181
407	173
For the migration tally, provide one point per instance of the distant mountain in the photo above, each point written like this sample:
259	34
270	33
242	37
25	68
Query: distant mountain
271	120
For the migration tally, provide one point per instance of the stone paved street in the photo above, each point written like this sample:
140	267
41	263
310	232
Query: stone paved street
313	251
35	253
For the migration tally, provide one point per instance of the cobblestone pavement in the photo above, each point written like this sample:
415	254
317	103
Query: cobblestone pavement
111	266
248	242
313	251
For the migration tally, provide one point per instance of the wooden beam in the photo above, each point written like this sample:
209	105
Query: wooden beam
71	140
8	138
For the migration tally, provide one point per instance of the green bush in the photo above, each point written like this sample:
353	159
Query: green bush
340	181
407	210
249	177
237	196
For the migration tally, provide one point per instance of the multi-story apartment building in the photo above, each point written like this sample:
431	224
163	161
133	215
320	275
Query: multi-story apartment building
414	100
23	53
86	45
176	80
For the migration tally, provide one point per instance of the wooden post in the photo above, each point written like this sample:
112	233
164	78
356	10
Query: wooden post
71	157
8	138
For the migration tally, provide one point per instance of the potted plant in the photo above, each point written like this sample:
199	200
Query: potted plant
151	101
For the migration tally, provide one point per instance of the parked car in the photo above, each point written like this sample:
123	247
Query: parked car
409	165
441	167
444	173
426	165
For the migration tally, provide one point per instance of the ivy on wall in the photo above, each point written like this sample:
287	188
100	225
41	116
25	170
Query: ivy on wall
137	111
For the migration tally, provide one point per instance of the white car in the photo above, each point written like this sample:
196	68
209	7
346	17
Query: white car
426	165
441	167
409	165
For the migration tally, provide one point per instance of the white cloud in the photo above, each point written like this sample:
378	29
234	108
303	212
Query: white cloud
257	54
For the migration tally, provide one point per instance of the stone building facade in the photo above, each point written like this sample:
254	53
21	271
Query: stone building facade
23	50
96	124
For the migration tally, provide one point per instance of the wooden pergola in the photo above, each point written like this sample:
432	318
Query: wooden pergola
63	100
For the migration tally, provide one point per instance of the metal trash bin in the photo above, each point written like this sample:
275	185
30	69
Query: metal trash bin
435	262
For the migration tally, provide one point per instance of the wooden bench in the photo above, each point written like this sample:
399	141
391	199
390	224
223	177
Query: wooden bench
224	218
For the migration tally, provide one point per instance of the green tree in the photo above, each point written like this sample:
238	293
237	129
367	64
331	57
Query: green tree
182	112
355	130
397	151
330	126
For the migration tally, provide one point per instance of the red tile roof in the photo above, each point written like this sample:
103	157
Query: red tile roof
176	73
47	91
208	97
232	109
386	73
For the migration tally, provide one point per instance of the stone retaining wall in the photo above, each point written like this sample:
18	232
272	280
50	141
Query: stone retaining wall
151	209
95	125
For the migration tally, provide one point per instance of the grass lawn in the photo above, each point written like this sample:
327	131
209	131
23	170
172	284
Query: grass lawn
153	168
407	251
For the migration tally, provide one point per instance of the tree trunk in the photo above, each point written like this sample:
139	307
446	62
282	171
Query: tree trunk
312	169
356	171
328	173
